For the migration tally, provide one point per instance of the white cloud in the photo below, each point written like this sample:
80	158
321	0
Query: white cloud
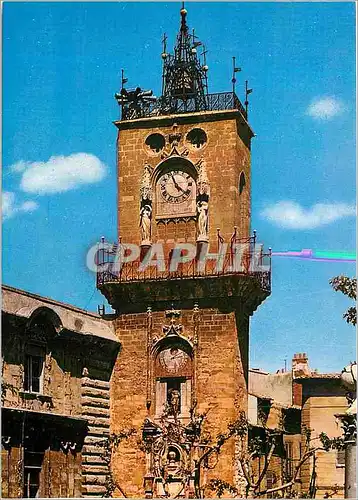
325	108
59	173
11	208
29	206
290	215
20	166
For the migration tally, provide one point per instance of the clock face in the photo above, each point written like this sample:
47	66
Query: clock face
176	186
173	358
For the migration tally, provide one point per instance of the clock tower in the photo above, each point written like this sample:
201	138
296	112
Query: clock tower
182	308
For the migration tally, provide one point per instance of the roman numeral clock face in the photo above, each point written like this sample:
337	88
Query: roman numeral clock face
175	186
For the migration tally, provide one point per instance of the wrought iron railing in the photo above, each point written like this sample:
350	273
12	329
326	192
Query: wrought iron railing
170	105
252	263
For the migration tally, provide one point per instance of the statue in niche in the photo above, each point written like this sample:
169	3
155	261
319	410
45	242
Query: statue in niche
146	192
202	209
174	402
145	224
202	183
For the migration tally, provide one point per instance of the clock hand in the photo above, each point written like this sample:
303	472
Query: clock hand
175	183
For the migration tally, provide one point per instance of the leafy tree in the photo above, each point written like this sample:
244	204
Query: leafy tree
348	286
264	448
206	453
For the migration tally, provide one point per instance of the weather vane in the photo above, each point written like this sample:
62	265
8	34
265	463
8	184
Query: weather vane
235	70
247	93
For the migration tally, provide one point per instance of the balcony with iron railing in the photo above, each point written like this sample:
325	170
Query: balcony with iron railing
249	269
220	101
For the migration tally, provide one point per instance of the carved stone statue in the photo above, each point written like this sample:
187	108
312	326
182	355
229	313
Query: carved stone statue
174	402
203	181
146	192
145	224
202	209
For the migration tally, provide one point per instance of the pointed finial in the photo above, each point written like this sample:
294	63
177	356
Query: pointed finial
235	70
183	11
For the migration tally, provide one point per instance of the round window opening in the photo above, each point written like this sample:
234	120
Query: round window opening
197	138
155	142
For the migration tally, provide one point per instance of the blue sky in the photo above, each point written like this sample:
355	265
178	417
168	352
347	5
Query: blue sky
61	67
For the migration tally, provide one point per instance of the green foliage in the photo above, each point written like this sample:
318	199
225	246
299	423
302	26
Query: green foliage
336	443
348	286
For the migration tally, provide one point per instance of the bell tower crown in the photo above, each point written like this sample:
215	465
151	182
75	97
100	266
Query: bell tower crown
184	74
184	84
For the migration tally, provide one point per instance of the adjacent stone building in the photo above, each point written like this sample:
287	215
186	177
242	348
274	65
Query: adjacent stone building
296	401
56	366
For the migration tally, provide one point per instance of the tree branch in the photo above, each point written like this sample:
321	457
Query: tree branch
267	463
305	457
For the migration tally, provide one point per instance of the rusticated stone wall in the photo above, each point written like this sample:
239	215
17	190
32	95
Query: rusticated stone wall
71	410
95	408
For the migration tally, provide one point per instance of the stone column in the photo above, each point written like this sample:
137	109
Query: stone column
349	424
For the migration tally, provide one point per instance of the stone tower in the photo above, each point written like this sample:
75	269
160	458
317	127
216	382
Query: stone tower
182	315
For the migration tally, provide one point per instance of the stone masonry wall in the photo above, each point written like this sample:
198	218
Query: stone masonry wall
318	413
226	156
221	385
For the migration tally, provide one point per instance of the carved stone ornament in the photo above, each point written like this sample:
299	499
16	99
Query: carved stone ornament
173	150
173	328
170	451
175	136
146	192
176	220
203	185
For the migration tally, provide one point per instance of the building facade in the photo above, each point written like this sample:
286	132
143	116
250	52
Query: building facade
295	402
56	366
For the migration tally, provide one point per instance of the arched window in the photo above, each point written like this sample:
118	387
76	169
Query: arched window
41	328
173	378
242	182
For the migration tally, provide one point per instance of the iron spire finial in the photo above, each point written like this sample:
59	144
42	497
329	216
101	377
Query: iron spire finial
184	80
183	13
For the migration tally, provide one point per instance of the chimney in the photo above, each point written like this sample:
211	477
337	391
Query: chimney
300	366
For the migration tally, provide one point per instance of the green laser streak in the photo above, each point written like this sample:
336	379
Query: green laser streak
334	255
